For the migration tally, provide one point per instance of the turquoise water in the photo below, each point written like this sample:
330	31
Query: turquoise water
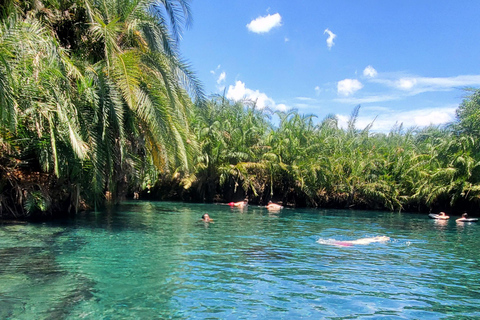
156	260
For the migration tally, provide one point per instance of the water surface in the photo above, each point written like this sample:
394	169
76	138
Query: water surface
156	260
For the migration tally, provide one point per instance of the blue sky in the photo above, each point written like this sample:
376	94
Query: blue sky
402	61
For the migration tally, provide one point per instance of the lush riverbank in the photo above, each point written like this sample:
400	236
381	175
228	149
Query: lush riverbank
239	153
301	162
91	116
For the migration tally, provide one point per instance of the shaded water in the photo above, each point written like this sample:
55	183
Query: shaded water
156	260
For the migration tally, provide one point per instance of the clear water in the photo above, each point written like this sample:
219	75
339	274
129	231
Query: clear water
156	260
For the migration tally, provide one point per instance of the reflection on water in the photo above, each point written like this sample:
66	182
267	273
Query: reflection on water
150	260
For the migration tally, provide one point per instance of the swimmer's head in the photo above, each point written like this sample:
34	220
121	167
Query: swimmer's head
465	215
206	217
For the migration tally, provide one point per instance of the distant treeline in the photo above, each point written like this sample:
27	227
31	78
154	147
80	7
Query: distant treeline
304	162
96	106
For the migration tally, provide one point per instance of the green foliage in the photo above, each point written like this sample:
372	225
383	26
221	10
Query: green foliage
36	201
468	114
230	137
305	162
95	92
95	101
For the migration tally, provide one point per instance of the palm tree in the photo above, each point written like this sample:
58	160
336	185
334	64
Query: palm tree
231	137
107	103
452	170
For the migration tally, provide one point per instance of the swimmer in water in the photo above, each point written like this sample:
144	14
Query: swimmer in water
442	215
206	218
465	218
273	206
349	243
239	204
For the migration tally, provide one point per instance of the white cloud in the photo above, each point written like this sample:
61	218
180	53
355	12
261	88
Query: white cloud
240	92
222	77
375	109
287	39
330	38
237	92
370	72
451	82
416	85
343	121
386	120
368	99
435	116
348	86
405	83
304	98
214	71
265	24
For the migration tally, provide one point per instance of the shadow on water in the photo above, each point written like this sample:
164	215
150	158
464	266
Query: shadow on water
266	253
82	291
133	216
29	266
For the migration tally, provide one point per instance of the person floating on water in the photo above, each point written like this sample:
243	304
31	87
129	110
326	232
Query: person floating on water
239	204
443	215
206	218
465	218
349	243
439	216
273	206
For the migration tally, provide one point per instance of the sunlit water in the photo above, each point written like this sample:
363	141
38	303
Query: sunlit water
156	260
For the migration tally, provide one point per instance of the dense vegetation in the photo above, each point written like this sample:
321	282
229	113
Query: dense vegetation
93	98
303	162
97	104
